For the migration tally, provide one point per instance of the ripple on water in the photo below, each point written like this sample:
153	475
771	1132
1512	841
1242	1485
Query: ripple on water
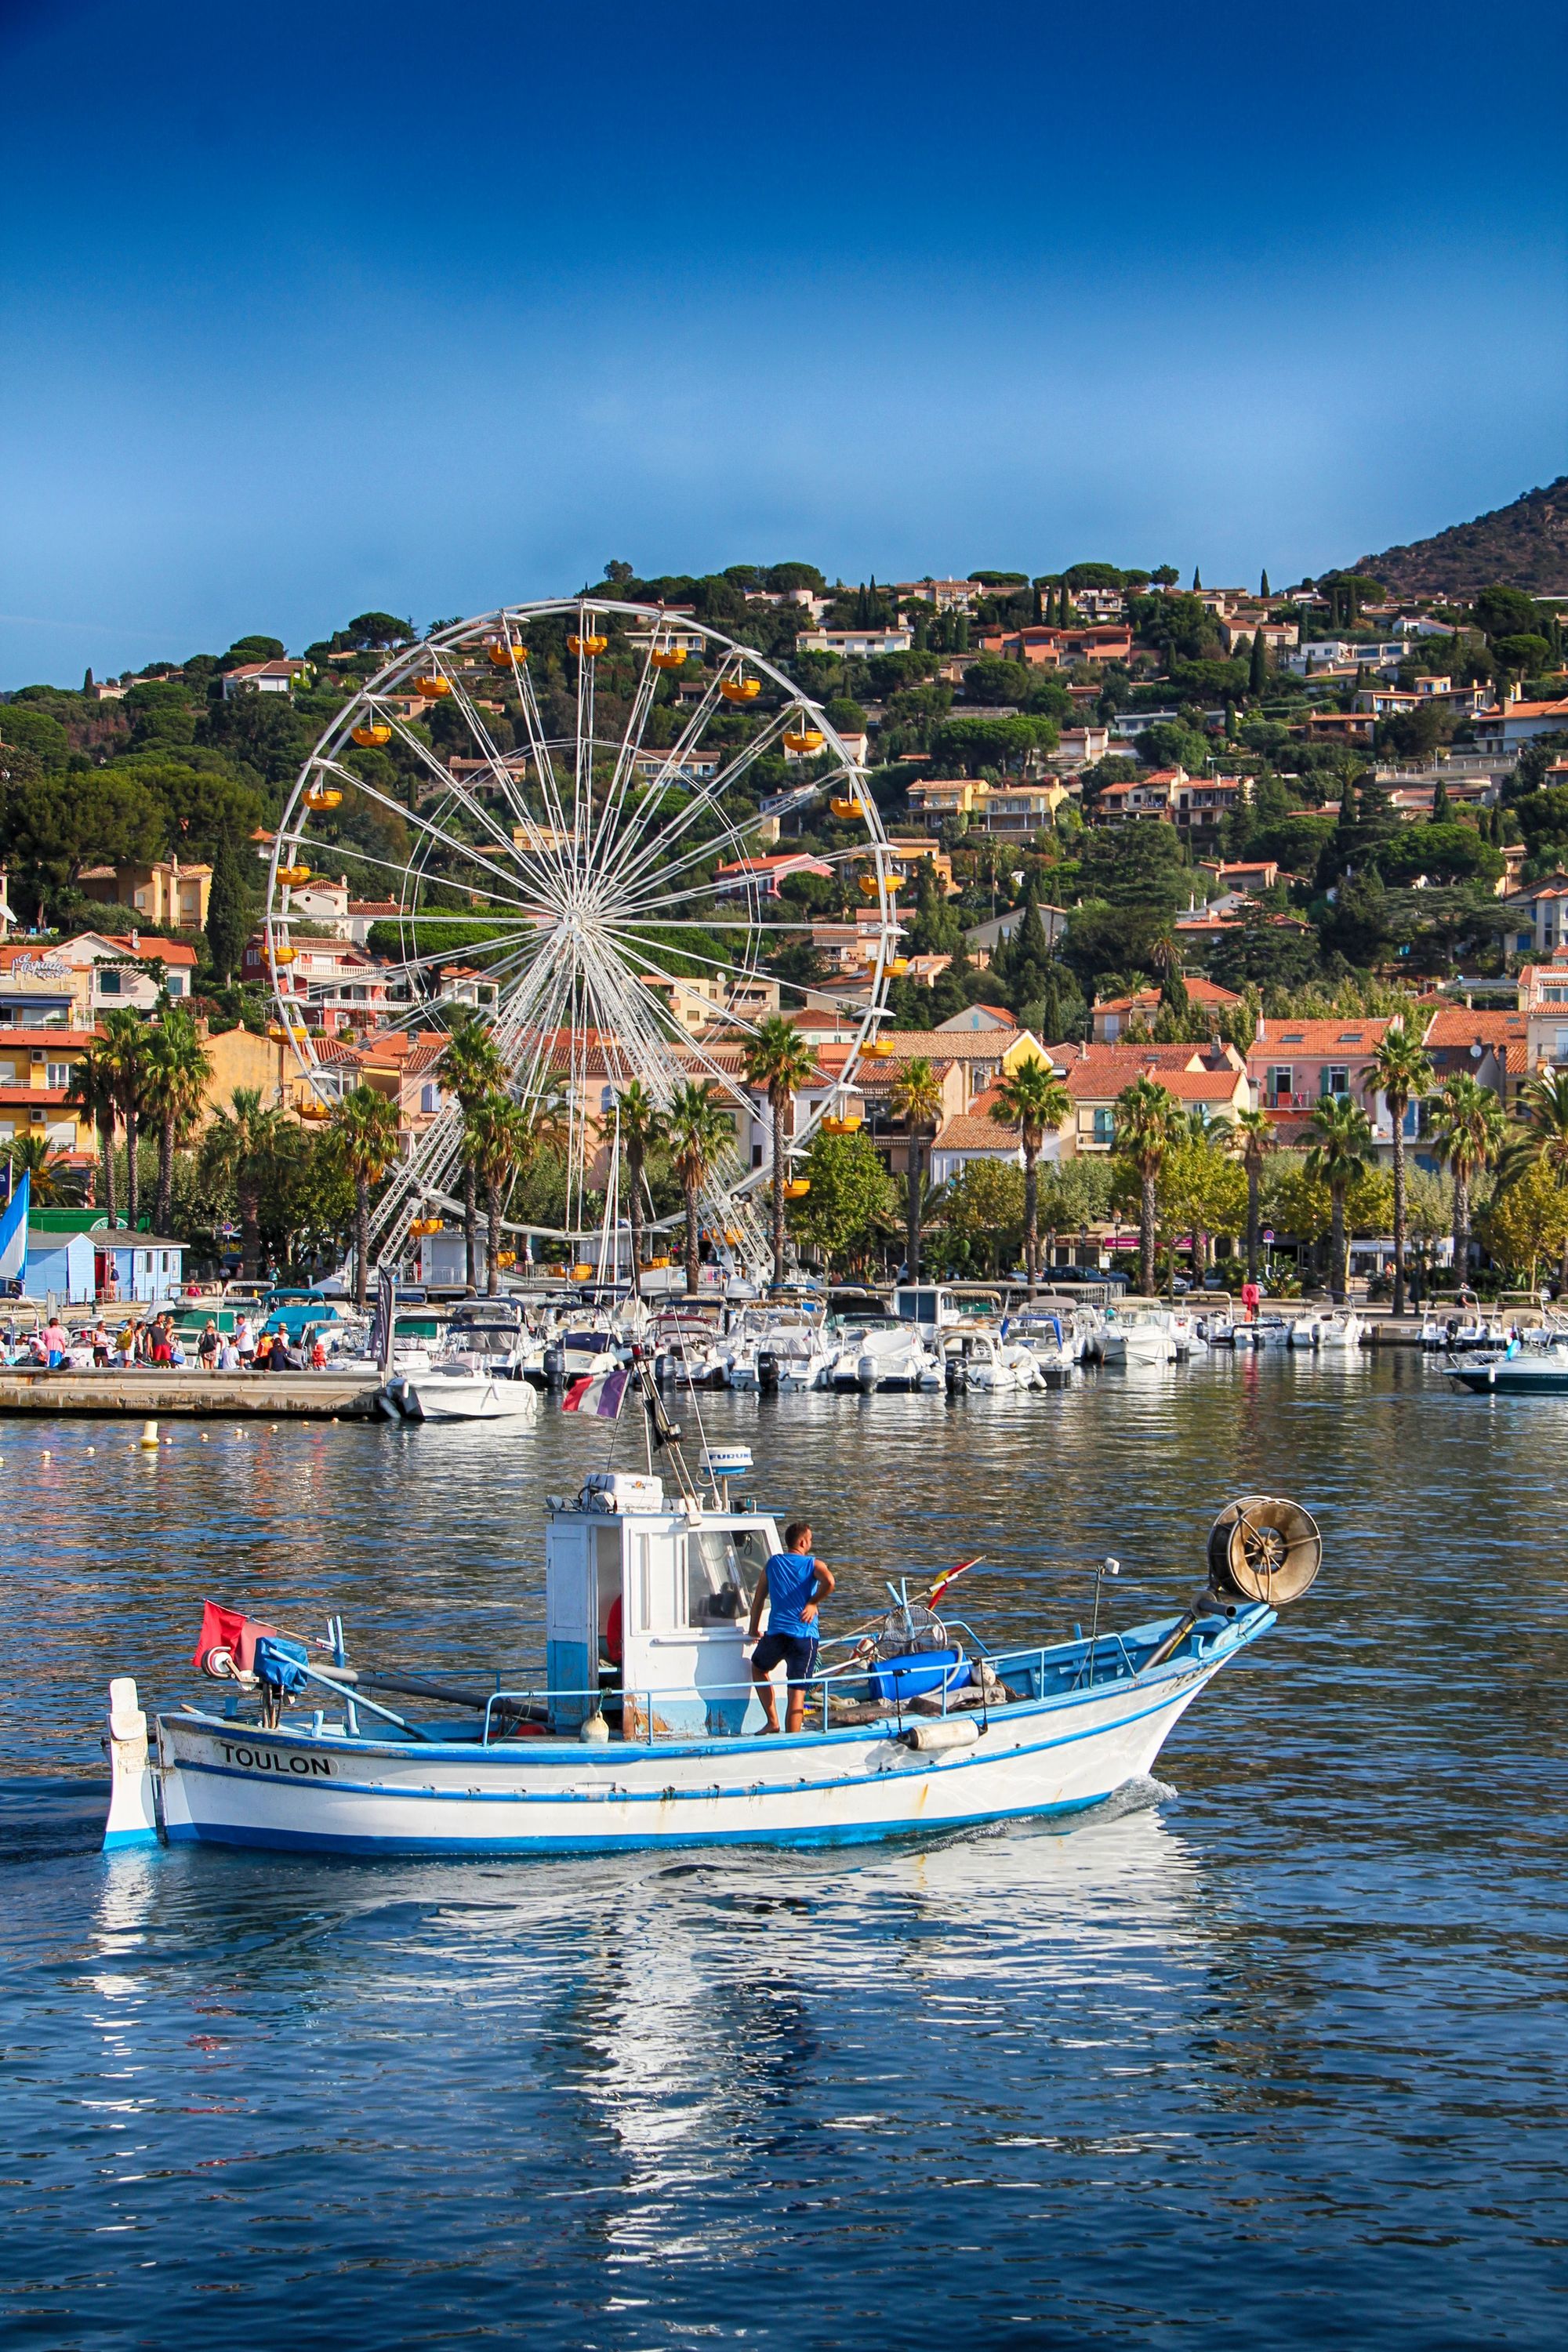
1268	2050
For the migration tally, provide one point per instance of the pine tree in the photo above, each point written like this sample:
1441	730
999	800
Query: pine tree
1258	671
1263	585
229	908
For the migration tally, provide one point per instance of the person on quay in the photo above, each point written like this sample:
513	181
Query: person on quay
791	1584
208	1347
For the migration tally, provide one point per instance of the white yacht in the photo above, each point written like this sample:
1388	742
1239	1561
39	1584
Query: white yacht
1137	1332
987	1362
878	1354
1342	1329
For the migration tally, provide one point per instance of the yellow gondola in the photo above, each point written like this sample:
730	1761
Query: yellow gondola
318	797
844	1123
433	690
899	966
797	1188
312	1108
371	735
666	656
804	740
879	1050
283	954
868	886
847	807
740	689
503	652
585	646
292	877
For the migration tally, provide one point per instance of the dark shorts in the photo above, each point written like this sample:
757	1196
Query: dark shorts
795	1652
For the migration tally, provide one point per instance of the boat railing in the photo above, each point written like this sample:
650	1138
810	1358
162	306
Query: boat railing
1044	1670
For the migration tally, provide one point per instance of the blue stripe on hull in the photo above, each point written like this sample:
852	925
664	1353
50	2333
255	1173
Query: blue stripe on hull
402	1848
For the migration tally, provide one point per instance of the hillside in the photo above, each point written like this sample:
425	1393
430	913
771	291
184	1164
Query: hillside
1524	545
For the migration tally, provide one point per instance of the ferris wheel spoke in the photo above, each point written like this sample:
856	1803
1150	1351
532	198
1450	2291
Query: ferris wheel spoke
626	759
504	776
686	743
550	791
705	799
426	827
444	777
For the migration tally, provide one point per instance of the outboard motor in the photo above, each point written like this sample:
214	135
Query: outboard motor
767	1370
956	1377
555	1365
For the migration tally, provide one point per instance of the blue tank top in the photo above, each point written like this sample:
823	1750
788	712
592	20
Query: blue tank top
791	1575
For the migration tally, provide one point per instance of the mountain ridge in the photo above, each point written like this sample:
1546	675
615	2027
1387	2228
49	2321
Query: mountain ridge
1522	545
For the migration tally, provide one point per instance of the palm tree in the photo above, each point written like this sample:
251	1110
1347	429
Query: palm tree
1543	1111
497	1139
472	1067
916	1098
177	1069
1033	1099
1343	1150
1468	1132
1147	1121
49	1167
1401	1071
698	1128
1252	1139
363	1134
125	1054
641	1124
92	1092
779	1061
243	1145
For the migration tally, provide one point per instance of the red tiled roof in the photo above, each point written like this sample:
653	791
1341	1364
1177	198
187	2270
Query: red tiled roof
1356	1036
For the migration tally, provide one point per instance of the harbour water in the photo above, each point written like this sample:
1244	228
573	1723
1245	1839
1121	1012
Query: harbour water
1273	2051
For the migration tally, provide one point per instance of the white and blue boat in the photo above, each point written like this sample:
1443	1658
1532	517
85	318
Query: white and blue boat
643	1728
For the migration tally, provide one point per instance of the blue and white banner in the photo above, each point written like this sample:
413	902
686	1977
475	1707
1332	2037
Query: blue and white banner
14	1230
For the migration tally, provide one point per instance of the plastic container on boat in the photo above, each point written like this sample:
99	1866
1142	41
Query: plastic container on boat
917	1672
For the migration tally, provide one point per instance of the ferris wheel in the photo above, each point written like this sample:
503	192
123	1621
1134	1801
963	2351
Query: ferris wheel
567	816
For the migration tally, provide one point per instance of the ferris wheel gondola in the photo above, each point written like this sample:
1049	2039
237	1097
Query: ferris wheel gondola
554	826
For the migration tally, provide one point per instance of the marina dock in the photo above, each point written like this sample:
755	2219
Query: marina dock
215	1396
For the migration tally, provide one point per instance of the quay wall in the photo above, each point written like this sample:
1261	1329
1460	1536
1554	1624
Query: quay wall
156	1395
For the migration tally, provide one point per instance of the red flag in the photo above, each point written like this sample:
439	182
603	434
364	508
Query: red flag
227	1630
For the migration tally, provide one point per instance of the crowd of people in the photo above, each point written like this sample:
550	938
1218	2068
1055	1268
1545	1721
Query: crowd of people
156	1344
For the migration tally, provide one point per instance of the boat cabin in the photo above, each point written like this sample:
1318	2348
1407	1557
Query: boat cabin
664	1581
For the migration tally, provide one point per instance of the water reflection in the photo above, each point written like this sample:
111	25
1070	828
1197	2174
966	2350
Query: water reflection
1275	2057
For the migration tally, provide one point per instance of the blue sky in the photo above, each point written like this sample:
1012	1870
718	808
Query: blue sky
308	311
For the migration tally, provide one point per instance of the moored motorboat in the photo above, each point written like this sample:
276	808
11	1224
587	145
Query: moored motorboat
643	1727
453	1391
1535	1365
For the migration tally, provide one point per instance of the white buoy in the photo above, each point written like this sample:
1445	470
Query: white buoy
47	1455
149	1433
132	1807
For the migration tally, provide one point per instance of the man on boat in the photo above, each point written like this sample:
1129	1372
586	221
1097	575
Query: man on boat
791	1584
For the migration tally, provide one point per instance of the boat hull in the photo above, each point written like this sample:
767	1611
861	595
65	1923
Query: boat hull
478	1396
226	1784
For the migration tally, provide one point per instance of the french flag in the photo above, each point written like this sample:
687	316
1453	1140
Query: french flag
599	1393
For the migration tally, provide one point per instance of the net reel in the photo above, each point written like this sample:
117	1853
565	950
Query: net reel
1264	1548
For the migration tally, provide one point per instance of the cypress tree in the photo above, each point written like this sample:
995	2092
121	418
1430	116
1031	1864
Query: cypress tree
1197	580
229	909
1263	584
1257	670
1439	802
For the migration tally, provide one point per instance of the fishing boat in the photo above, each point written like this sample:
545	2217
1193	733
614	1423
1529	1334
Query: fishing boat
643	1727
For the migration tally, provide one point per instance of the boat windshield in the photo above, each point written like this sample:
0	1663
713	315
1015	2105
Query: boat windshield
722	1565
